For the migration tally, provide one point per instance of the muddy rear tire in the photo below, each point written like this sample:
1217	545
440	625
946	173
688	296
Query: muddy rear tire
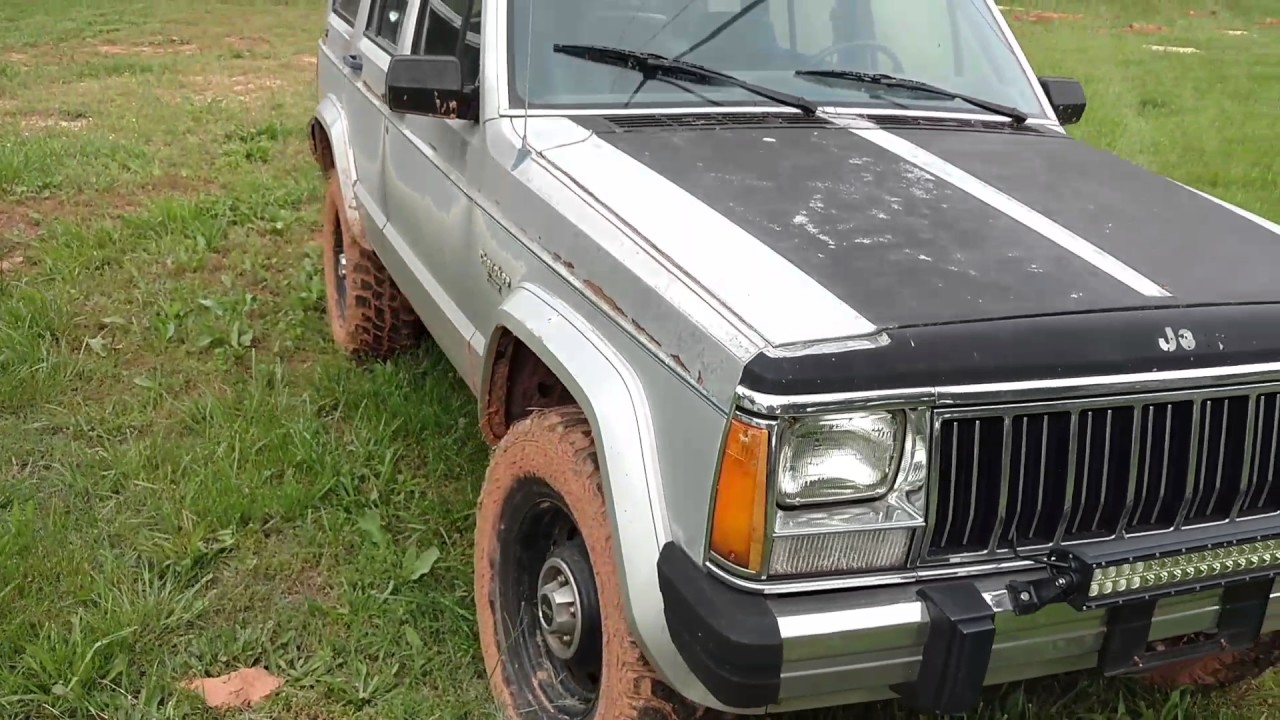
369	316
543	534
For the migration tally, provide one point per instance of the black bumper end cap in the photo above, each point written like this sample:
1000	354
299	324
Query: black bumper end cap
957	653
729	639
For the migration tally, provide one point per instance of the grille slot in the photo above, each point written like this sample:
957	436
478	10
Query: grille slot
1033	476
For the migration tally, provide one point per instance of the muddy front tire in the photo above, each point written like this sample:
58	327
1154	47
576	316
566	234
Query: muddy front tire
369	316
553	630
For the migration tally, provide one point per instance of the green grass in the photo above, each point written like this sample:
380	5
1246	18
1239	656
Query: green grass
194	480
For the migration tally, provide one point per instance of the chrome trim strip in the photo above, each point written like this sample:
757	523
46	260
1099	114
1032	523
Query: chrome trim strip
1006	449
1199	455
1014	209
1256	402
993	393
1068	502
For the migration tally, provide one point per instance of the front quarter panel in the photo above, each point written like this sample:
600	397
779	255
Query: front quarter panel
331	117
647	424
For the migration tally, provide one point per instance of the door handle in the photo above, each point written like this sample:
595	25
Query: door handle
355	62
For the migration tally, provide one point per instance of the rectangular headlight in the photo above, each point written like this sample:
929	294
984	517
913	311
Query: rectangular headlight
838	458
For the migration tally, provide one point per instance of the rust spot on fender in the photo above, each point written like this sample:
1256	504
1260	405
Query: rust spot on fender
680	363
603	297
567	265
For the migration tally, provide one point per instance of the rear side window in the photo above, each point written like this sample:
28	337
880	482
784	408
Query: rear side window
386	19
346	9
440	24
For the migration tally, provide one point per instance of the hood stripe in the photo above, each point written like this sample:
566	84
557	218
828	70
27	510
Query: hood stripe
780	301
1007	205
1258	219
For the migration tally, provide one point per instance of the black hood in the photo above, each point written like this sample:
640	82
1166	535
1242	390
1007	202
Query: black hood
904	247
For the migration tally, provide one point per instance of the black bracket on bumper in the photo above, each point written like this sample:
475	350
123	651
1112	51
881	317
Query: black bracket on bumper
1124	649
962	632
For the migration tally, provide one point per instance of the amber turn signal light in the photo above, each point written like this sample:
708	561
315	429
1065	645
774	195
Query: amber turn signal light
738	526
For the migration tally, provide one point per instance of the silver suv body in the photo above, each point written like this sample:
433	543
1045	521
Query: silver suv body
893	392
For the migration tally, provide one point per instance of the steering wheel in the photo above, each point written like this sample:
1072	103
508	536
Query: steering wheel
898	67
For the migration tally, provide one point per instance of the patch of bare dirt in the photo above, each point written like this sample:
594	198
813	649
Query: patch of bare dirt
1044	16
17	221
160	46
1173	49
241	87
1140	29
308	584
66	121
307	61
1270	22
1202	13
11	264
15	57
248	43
240	689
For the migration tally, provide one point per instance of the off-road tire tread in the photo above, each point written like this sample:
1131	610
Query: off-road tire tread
380	323
636	693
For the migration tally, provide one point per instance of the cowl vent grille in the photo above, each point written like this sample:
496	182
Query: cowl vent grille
715	121
940	123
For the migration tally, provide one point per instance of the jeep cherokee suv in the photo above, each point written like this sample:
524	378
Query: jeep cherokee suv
821	365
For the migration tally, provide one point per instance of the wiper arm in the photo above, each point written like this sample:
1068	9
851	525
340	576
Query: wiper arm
1017	116
652	66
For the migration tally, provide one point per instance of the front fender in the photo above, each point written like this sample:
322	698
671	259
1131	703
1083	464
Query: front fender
333	121
613	398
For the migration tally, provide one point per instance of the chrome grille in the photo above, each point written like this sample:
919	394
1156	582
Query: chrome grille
1030	476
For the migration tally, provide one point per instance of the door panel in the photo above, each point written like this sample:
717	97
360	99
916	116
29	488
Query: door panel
431	213
428	190
382	29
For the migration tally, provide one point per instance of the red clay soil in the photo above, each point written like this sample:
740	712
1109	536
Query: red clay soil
1138	29
1221	670
1042	16
240	689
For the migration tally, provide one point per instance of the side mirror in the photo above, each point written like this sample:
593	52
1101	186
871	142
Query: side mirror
429	85
1067	98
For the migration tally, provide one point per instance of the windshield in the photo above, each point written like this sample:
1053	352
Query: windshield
955	44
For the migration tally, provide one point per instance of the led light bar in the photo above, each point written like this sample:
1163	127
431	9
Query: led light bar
1205	566
1111	573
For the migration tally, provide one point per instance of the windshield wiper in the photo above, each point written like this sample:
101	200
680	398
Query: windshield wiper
1017	116
654	66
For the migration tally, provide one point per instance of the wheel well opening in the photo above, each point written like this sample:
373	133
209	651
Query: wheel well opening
321	146
520	385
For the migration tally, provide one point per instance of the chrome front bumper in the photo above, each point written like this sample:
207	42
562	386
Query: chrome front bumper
936	645
855	646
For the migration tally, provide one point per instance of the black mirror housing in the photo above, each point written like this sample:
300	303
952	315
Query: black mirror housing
1067	98
429	85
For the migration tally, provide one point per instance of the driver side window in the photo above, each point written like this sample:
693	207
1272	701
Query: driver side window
439	28
385	20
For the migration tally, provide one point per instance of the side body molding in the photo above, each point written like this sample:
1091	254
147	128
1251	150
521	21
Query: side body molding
613	399
333	120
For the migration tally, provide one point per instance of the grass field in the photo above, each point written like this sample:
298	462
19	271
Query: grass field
193	480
